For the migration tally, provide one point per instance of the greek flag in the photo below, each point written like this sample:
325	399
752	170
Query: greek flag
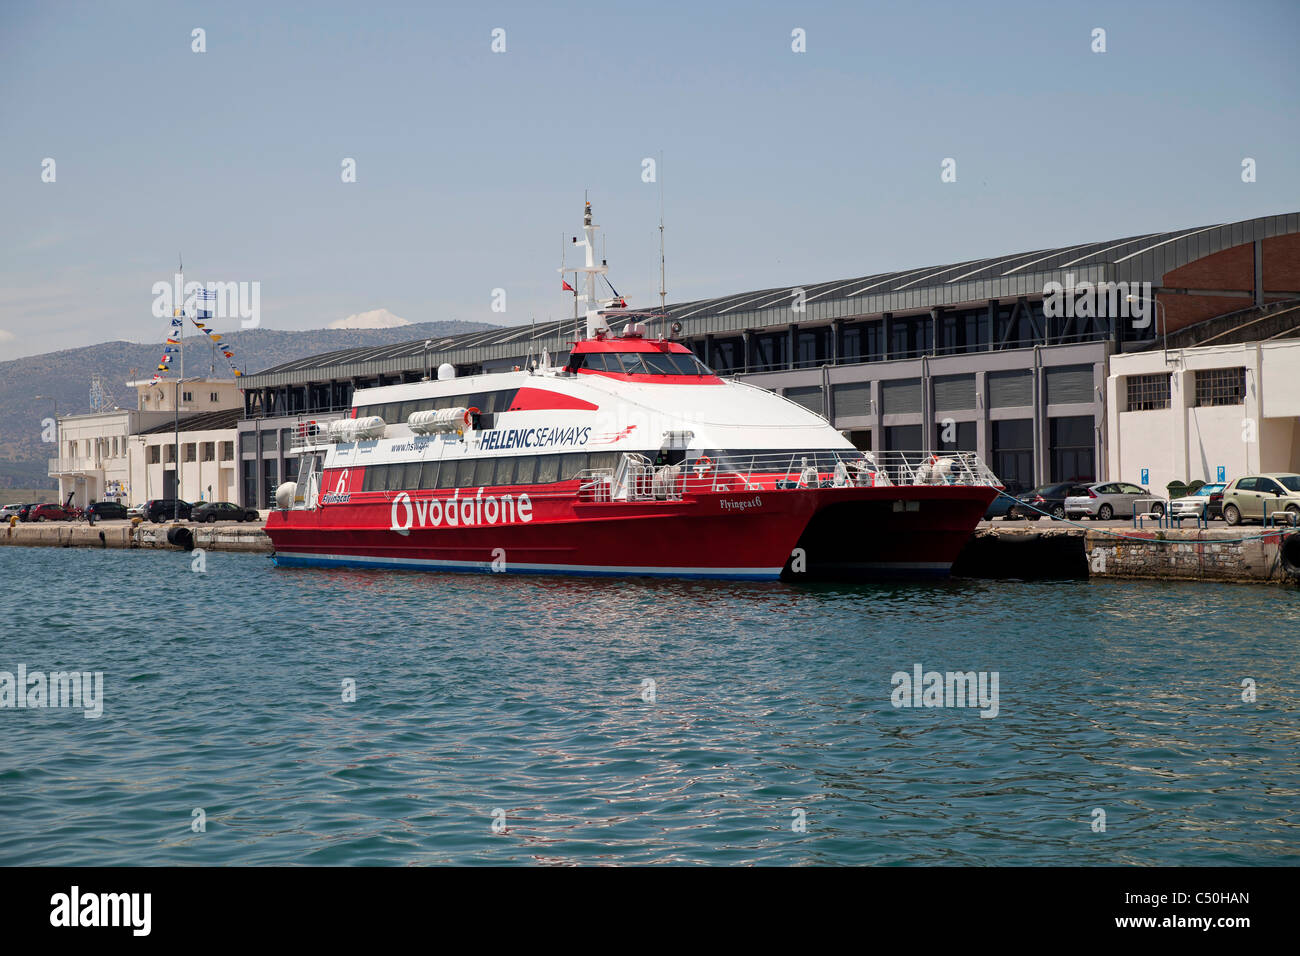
207	294
206	314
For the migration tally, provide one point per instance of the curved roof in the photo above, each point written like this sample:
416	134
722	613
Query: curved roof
1141	258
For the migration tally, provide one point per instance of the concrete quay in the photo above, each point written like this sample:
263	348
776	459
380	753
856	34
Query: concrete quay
227	536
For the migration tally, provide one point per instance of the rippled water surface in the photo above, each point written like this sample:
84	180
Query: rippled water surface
223	692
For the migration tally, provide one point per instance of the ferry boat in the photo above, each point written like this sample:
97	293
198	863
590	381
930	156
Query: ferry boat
631	458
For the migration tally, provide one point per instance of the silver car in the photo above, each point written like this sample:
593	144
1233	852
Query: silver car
1109	499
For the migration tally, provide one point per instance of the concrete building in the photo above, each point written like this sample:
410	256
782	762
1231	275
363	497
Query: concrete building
103	455
94	461
1213	413
1006	356
207	458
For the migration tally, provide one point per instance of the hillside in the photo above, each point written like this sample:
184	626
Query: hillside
65	376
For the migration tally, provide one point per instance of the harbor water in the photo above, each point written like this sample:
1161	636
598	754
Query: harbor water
509	719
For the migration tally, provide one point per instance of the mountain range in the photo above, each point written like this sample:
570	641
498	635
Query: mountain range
65	377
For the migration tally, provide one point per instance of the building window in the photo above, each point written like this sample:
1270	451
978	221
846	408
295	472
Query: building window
1147	392
212	396
810	397
956	436
1221	386
247	442
1071	443
189	450
903	438
227	451
169	454
153	454
249	469
187	397
269	471
208	452
1013	454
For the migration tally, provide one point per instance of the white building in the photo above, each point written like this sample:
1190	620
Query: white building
207	458
95	461
105	455
1213	413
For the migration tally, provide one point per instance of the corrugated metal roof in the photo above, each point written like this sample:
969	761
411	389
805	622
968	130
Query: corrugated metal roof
1142	258
204	421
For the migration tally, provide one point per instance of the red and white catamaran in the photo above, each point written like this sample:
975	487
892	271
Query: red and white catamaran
632	458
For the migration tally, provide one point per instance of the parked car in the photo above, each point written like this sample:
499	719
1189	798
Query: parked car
9	511
107	510
25	511
222	511
48	512
998	507
1206	501
159	510
135	511
1049	499
1104	500
1247	498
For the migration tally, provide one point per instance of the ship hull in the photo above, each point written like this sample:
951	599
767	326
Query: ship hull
764	535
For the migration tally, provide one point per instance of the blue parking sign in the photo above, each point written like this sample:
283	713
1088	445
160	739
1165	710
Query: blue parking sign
1220	474
1146	476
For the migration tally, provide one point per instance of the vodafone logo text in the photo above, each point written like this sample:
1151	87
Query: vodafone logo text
458	512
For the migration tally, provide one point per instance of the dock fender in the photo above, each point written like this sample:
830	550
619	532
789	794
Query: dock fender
180	537
1289	550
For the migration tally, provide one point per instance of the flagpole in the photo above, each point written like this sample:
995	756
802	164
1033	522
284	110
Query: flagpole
176	507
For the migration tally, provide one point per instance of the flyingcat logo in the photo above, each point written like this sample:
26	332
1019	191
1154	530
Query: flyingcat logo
503	438
340	495
743	504
459	512
76	909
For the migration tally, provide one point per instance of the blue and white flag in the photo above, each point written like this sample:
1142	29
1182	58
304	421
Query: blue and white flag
207	294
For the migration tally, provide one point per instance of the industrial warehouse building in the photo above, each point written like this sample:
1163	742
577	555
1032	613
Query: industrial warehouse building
1006	356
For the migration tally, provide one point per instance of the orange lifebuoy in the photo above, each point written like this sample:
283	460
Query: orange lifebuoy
469	414
704	465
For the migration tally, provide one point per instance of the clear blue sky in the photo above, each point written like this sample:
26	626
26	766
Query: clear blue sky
779	167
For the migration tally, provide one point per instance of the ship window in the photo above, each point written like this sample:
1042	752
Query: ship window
368	482
465	473
447	475
548	469
411	475
571	464
659	364
603	459
505	473
633	364
686	364
483	471
429	476
526	472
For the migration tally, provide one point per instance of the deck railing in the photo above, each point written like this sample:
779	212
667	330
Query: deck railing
637	478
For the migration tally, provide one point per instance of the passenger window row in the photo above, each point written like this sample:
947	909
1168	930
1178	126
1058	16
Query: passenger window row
476	472
396	413
640	363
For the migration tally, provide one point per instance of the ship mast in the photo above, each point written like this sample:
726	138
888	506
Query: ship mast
595	321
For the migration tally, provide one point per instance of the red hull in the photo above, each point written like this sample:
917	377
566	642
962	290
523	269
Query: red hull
819	532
